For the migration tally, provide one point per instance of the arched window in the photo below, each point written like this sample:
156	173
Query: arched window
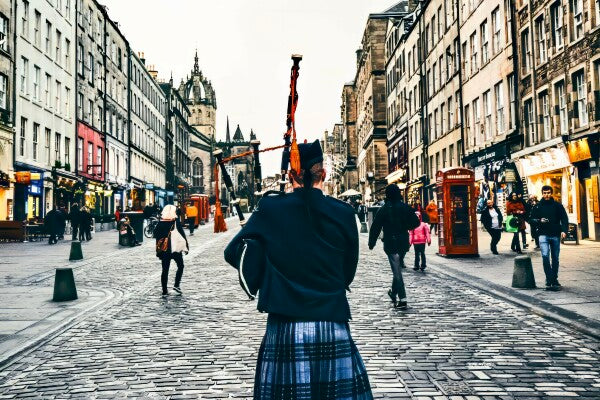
197	173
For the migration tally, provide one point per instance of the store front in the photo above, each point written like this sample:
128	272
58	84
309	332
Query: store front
414	190
398	177
6	198
29	200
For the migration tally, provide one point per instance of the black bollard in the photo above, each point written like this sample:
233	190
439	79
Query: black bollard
523	273
64	285
76	252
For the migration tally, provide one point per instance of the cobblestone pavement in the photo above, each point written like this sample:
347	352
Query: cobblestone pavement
455	341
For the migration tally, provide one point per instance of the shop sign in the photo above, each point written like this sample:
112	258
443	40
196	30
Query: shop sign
170	193
149	186
579	150
548	160
487	156
4	180
25	177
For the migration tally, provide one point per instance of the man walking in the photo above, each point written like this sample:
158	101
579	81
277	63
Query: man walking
191	212
52	225
491	219
552	223
75	218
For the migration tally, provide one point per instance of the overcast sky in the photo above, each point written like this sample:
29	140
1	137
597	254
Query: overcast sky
244	48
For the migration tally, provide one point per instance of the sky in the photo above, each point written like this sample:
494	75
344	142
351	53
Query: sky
244	49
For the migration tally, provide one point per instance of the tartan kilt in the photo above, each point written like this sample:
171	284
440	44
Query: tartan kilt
302	360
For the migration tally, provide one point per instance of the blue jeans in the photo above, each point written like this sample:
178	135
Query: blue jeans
396	262
550	246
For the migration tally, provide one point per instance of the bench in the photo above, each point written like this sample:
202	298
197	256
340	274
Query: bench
12	231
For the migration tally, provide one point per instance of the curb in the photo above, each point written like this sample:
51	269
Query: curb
569	318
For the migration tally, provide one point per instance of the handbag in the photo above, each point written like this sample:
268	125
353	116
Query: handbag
512	224
178	243
162	244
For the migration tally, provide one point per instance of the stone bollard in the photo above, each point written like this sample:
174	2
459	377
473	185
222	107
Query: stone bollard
523	273
76	252
64	285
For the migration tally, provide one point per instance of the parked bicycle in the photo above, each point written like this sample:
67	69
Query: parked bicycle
149	229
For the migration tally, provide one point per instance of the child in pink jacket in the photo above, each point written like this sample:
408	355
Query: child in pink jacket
418	237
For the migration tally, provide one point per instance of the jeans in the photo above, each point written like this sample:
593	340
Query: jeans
166	262
550	247
420	256
74	229
396	262
496	234
515	244
524	237
191	224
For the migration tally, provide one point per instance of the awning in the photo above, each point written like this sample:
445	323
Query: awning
399	174
350	193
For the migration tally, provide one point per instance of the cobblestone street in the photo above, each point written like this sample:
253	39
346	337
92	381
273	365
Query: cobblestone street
454	342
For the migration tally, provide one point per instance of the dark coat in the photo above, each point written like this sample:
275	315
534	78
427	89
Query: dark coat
74	217
162	231
85	221
555	213
517	209
486	218
396	219
52	222
310	259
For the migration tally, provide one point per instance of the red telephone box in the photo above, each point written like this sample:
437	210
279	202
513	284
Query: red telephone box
456	198
201	203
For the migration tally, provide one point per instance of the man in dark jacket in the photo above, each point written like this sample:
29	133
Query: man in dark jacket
491	219
552	224
52	225
74	217
396	218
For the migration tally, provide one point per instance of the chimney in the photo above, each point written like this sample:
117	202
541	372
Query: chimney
153	72
142	57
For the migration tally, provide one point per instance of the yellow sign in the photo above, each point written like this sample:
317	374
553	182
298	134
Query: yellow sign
579	150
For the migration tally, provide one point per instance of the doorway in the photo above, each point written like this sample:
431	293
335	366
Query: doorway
589	195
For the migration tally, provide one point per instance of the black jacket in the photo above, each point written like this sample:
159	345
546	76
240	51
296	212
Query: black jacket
555	213
486	218
75	216
396	219
52	222
310	260
162	231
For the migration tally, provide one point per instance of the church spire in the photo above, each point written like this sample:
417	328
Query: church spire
196	66
227	135
252	135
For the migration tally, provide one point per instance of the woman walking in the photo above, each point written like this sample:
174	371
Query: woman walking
418	238
515	207
310	244
396	219
432	213
164	230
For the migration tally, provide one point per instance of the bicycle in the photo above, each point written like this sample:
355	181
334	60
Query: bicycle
149	229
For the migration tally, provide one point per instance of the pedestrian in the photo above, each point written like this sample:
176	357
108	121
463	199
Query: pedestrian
85	225
396	218
491	219
552	224
532	202
312	242
418	207
52	225
524	231
191	212
118	212
164	230
361	211
62	217
515	207
74	217
129	232
432	213
418	237
148	210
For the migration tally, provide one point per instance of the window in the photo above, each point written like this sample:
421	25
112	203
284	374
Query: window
435	78
22	136
526	51
497	31
67	102
36	133
36	82
49	38
528	121
451	121
68	8
57	93
80	154
561	102
556	13
596	12
90	157
57	145
474	47
433	31
545	111
99	159
484	43
47	83
476	122
508	14
442	119
48	135
67	150
499	108
513	103
3	83
67	56
99	117
90	112
541	37
577	19
37	29
25	20
580	98
24	75
80	67
58	54
91	67
80	105
487	109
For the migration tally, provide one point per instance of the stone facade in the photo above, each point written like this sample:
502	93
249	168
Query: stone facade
6	109
348	114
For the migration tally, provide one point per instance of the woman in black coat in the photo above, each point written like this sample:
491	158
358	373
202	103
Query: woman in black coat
167	223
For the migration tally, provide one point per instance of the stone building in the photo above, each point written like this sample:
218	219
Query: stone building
117	125
369	84
147	147
334	157
348	115
200	98
6	108
44	106
559	86
488	85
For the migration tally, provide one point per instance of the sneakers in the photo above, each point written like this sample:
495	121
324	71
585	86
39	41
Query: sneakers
495	252
392	297
402	305
423	268
416	268
165	293
556	285
177	289
548	285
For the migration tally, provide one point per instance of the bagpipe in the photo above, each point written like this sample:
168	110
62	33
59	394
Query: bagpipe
290	157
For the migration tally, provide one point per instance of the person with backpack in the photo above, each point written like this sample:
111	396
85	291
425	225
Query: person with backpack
166	250
418	237
395	218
